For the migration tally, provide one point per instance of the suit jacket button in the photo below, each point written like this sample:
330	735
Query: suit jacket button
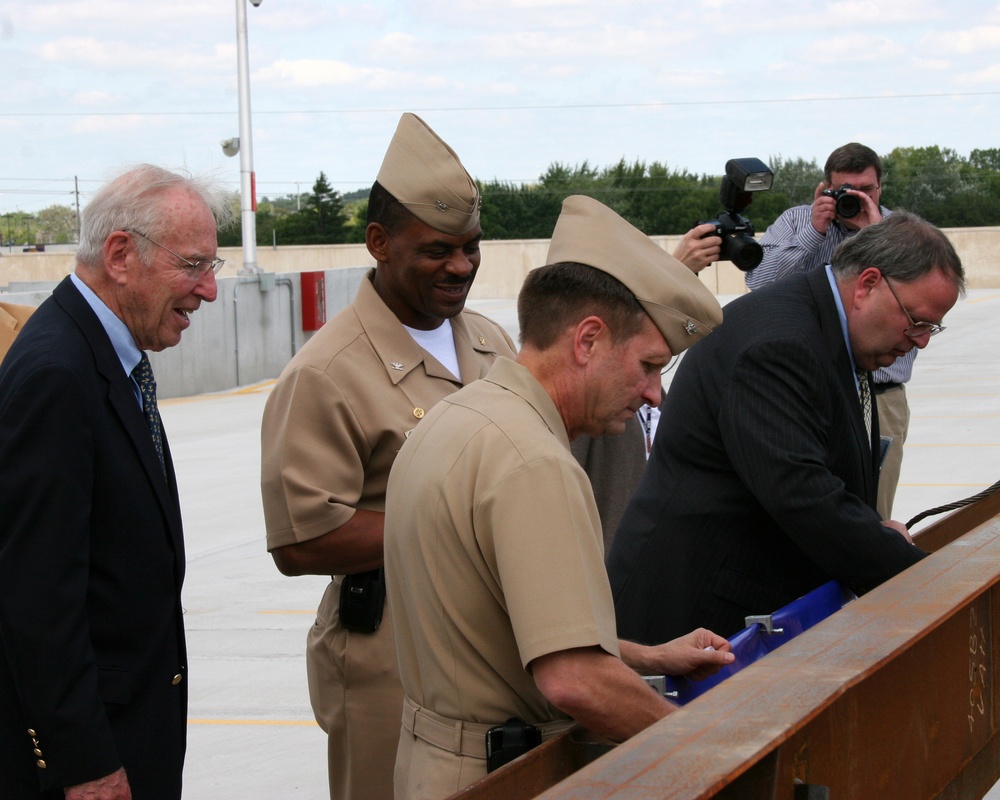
38	752
177	679
41	764
32	732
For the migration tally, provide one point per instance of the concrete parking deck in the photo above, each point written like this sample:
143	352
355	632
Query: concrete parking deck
251	731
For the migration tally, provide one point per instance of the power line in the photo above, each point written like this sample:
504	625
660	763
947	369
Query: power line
481	109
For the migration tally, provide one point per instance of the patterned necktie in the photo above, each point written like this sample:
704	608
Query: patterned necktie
143	375
865	394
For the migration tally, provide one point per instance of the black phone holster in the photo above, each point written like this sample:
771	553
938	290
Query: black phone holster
362	598
506	742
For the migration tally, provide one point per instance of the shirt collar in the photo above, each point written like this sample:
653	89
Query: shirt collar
118	332
842	315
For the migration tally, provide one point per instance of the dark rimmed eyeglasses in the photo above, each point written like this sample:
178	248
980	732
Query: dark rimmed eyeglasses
916	329
196	270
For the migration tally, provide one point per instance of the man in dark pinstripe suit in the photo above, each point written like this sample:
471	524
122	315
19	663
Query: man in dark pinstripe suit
762	481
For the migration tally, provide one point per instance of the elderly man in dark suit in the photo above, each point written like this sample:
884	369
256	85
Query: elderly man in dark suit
764	485
93	688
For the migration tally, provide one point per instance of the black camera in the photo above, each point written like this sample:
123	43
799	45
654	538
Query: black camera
743	177
848	205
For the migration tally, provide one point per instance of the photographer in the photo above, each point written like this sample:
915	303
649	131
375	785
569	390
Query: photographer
803	238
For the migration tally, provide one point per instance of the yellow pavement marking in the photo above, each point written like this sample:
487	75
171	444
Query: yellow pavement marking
288	611
952	444
298	723
256	388
957	485
983	299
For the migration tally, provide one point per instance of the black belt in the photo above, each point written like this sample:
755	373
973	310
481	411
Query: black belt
880	388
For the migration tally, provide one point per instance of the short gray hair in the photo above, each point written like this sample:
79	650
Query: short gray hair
132	201
902	246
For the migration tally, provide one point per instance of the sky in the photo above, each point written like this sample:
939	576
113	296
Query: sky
90	86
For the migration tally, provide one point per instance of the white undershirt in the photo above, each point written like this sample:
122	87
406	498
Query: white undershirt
440	343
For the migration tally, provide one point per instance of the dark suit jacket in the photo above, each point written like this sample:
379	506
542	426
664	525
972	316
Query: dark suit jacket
762	481
91	565
614	465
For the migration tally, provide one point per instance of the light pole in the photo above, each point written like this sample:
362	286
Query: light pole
248	184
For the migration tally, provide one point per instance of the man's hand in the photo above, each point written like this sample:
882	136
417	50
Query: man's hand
870	212
696	253
824	209
110	787
899	527
696	655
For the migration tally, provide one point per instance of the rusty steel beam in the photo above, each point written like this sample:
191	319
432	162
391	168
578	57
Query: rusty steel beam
894	696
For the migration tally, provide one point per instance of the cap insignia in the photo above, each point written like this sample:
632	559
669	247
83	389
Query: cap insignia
690	327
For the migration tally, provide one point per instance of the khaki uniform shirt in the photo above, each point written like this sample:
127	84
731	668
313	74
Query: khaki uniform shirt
12	319
343	407
338	415
493	552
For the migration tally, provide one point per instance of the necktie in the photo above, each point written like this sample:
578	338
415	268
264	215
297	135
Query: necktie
143	375
865	395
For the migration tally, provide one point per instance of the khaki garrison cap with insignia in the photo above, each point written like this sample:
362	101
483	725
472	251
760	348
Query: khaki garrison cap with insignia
679	304
426	176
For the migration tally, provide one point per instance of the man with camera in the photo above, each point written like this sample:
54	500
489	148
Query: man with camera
768	488
803	238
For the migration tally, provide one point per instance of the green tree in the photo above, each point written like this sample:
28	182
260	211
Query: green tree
56	225
322	219
930	182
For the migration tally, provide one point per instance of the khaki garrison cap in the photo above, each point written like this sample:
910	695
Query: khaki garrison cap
426	176
590	233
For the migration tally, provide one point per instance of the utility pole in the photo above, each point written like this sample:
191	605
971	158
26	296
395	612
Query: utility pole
76	191
248	184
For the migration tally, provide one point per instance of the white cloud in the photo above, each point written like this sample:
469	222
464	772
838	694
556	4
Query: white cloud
965	42
319	73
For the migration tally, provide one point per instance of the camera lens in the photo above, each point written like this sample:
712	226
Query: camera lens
848	205
742	250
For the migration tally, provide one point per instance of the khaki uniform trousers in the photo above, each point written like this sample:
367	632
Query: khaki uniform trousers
438	756
893	420
357	697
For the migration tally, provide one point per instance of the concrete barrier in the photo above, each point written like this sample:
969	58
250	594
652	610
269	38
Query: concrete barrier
504	265
247	335
255	326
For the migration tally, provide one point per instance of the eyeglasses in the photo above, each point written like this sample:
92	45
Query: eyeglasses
196	270
916	329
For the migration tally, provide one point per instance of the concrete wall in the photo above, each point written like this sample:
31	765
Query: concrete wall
247	335
255	326
505	263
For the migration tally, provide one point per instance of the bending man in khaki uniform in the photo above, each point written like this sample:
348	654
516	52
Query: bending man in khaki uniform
338	415
493	548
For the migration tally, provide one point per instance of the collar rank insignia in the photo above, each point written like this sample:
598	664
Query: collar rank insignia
395	365
690	327
482	340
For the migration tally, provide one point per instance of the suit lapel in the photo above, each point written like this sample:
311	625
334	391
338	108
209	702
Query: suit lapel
842	365
122	399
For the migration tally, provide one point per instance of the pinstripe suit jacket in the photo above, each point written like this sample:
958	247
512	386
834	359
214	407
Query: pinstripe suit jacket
762	481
